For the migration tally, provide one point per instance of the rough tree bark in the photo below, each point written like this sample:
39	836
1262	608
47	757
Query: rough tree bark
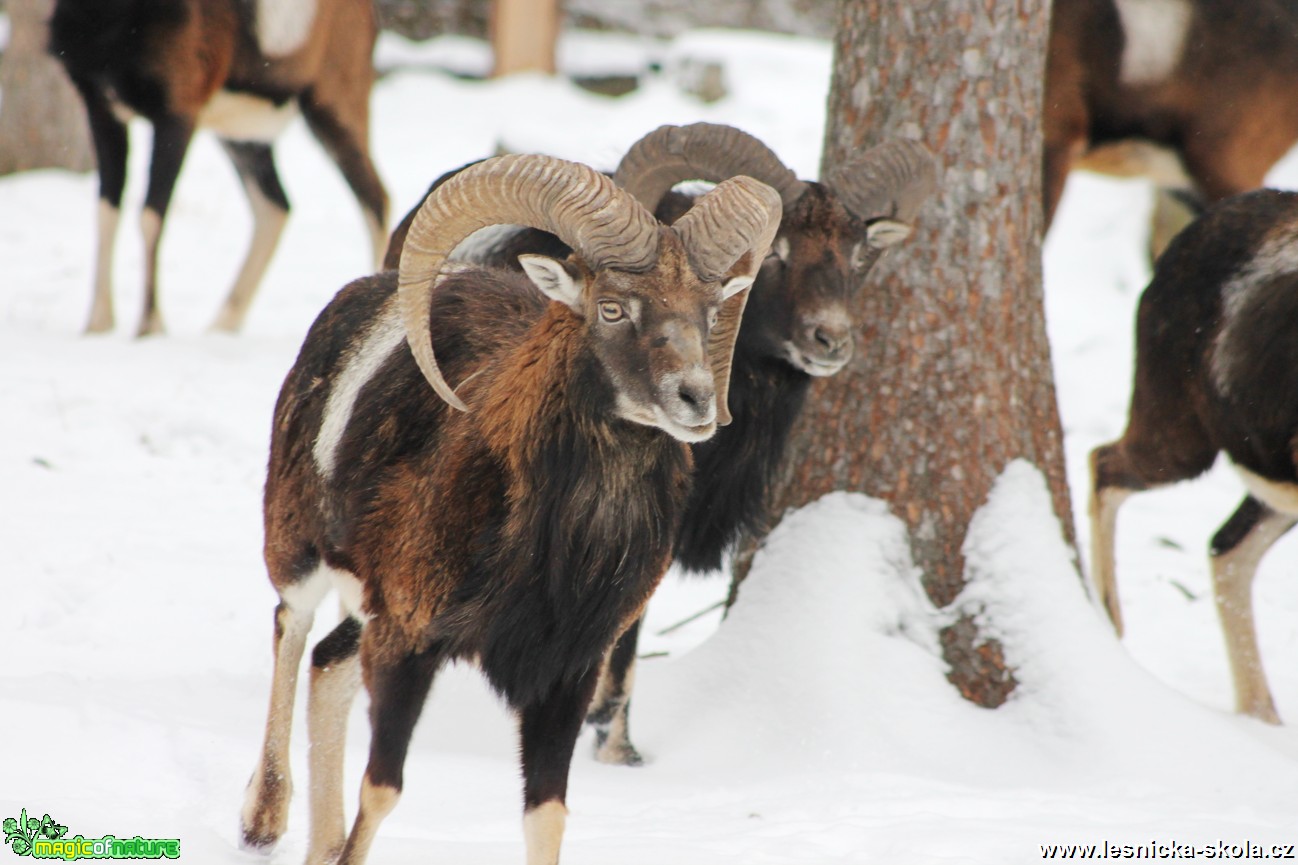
42	121
953	378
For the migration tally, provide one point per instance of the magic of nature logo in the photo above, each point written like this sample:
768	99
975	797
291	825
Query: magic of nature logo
46	839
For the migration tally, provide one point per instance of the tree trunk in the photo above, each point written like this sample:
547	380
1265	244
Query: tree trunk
523	35
42	120
953	377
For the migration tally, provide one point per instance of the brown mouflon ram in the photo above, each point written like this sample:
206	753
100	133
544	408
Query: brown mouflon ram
1216	372
524	532
797	325
240	68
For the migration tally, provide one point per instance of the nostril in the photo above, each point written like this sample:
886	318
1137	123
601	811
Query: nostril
831	339
689	397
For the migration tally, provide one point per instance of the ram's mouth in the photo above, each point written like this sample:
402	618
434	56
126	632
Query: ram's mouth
656	416
693	434
811	364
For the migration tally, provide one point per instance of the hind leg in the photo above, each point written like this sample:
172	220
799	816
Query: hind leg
255	163
335	678
612	702
1138	461
111	143
171	137
1164	441
344	136
1236	550
265	807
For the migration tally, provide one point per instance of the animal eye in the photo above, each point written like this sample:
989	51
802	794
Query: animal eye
712	318
611	310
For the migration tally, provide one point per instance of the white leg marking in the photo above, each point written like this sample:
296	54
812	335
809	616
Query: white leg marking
1232	578
101	305
242	117
333	689
1155	32
284	25
383	337
151	229
1104	522
377	803
268	225
265	806
543	832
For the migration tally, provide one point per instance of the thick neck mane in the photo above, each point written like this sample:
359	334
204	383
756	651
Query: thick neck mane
735	469
590	513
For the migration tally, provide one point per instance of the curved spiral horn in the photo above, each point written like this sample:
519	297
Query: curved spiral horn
701	151
890	180
604	224
727	233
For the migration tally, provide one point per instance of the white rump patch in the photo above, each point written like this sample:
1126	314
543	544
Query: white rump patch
1155	32
306	594
364	359
1277	255
243	117
1279	496
284	25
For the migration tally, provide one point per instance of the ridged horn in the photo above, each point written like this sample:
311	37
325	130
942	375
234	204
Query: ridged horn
701	151
891	180
605	225
727	233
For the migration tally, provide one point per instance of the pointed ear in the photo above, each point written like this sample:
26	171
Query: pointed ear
883	233
555	280
735	284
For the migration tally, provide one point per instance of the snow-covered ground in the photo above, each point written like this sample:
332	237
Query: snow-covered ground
815	726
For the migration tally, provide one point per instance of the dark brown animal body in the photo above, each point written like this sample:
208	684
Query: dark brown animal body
244	69
1216	372
1211	80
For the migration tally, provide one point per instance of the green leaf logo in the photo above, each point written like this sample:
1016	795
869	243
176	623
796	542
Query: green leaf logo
21	833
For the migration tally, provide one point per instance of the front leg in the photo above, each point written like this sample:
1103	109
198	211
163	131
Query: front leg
171	137
548	732
612	702
398	686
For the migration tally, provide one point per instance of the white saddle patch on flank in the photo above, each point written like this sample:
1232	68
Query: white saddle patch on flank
382	338
1154	32
283	26
244	117
1277	256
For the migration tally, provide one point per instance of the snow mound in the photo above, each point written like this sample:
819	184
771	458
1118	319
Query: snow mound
830	662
